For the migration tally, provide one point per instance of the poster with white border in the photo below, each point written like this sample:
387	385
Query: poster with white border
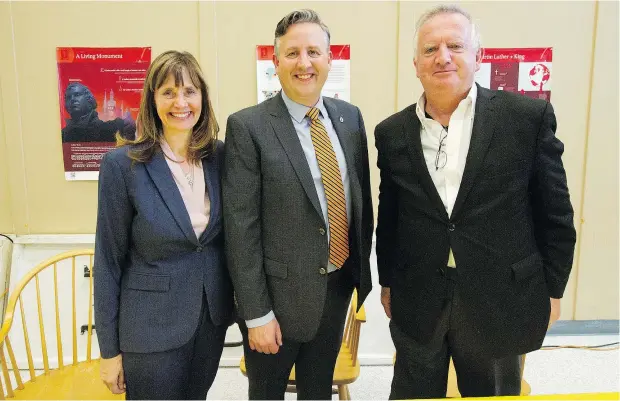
522	70
338	84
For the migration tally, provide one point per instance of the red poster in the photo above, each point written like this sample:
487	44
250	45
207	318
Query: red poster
523	70
99	92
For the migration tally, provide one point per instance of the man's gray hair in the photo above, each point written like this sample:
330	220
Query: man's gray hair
298	17
446	9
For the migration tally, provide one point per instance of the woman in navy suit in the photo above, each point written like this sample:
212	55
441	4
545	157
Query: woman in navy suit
163	297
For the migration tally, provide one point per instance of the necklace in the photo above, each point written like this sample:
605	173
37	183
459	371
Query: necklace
173	160
190	176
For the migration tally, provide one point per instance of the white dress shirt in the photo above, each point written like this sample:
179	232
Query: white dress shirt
447	179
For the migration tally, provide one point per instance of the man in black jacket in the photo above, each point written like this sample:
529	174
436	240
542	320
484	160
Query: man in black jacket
475	234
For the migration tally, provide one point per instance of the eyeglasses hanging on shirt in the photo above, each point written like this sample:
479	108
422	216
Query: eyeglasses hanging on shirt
442	157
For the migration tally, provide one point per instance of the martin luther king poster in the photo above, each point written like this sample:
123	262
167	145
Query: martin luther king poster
99	92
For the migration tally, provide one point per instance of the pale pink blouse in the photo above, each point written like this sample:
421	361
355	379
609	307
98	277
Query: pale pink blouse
196	199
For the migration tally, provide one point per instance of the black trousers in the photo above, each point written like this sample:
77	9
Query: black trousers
421	370
314	360
185	373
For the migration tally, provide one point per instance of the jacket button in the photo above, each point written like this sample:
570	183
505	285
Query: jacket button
199	249
322	271
451	227
322	231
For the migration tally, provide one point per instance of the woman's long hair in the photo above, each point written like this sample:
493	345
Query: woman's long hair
149	130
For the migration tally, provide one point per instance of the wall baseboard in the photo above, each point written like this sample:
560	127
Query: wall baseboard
584	327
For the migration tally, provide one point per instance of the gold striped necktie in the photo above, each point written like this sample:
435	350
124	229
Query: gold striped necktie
334	190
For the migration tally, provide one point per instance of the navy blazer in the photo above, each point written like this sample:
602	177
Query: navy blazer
150	269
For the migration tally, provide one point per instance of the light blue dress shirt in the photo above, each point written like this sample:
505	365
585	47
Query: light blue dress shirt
302	128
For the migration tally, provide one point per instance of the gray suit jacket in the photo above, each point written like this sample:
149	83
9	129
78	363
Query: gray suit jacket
150	269
276	244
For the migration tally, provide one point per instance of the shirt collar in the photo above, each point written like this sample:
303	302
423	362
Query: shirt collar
299	111
470	98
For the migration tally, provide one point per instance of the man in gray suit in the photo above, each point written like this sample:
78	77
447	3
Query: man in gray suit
297	217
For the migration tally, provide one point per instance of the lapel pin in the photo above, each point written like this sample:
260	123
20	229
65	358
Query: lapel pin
341	119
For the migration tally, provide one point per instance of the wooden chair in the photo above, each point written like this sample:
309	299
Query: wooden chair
77	380
347	368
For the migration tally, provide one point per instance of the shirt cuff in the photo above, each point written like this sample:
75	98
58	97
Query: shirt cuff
260	321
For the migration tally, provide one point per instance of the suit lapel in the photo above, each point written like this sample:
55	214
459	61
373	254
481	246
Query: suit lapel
411	129
162	177
286	134
212	186
481	135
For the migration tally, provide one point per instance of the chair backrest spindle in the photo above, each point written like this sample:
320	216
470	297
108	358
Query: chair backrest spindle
11	377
